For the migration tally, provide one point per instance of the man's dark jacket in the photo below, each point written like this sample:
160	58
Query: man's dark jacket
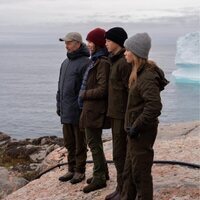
70	79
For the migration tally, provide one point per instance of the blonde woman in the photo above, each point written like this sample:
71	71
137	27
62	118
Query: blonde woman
141	118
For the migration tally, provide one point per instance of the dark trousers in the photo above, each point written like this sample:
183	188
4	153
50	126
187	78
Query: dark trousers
75	142
119	138
94	141
138	183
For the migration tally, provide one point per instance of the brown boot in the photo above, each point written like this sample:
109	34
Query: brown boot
93	186
112	195
77	178
89	180
66	177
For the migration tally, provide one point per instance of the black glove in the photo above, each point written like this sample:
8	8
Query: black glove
132	132
58	112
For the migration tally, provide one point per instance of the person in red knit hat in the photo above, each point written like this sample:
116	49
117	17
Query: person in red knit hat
93	102
97	37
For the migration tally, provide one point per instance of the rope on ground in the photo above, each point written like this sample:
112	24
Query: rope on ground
165	162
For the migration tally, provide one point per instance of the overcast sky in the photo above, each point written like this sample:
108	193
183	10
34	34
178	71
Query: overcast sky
26	16
52	11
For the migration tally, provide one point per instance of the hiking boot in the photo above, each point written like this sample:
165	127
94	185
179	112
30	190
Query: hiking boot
112	195
77	178
89	180
68	176
93	186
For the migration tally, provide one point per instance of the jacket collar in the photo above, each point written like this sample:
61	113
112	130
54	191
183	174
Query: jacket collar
118	55
82	51
101	52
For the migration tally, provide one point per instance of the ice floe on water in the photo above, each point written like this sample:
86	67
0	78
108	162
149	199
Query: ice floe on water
188	58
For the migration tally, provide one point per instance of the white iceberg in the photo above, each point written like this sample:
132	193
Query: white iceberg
188	58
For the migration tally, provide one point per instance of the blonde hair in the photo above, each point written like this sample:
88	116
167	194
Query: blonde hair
135	66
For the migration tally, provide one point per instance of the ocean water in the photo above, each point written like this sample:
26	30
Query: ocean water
28	85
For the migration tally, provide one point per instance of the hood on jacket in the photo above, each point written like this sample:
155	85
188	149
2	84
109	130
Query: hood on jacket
159	74
82	51
161	78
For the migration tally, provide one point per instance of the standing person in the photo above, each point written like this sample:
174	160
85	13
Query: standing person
70	79
141	119
117	100
93	95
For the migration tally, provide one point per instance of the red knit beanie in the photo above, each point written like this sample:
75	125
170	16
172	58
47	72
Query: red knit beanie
97	36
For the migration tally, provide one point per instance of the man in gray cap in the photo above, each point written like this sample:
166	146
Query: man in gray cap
70	79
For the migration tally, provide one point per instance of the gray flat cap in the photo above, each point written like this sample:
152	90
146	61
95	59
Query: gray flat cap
72	36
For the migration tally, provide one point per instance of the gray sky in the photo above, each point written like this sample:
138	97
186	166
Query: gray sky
21	12
23	19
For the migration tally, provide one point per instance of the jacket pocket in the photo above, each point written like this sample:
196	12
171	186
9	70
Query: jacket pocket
132	117
94	119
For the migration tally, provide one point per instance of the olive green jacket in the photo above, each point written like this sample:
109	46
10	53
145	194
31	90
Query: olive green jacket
144	101
118	86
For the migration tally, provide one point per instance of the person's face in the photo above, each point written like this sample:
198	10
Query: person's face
129	56
72	46
91	47
111	46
